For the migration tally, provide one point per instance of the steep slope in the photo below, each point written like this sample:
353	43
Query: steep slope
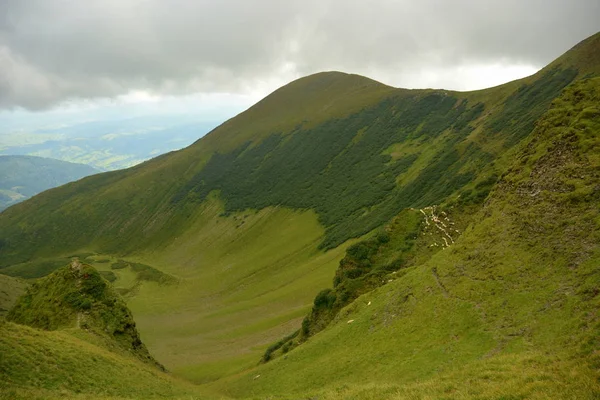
24	176
10	290
242	218
86	344
508	311
78	297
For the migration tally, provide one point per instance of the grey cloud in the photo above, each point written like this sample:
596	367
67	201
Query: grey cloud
54	50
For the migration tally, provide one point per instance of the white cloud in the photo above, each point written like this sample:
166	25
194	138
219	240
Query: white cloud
143	51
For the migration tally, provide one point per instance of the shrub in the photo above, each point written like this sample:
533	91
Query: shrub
325	299
305	330
119	265
383	237
108	275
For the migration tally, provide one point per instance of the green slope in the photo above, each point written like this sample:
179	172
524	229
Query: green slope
78	297
352	149
24	176
241	219
508	311
10	290
85	345
243	283
38	364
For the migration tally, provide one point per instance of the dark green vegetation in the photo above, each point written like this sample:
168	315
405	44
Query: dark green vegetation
40	267
78	296
24	176
142	272
523	108
339	169
472	272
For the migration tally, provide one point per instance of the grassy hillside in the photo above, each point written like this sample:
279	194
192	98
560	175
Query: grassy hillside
85	345
10	290
508	311
242	229
24	176
243	283
38	364
78	297
360	151
82	348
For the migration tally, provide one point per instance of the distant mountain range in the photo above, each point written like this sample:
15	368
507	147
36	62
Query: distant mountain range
22	177
107	144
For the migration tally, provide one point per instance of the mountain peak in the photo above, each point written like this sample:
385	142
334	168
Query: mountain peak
304	102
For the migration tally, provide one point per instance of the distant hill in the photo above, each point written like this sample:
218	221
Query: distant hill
107	144
22	177
362	241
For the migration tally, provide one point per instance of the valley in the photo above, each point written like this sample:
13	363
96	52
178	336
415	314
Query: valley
339	239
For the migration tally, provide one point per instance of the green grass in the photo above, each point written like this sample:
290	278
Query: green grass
76	296
247	288
508	377
508	311
10	290
37	364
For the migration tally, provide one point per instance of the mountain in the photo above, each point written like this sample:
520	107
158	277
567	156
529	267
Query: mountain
509	310
459	229
22	177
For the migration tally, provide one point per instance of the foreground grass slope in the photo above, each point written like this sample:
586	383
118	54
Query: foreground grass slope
70	335
508	311
38	364
76	296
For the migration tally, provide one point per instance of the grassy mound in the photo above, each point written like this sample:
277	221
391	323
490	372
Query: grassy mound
76	296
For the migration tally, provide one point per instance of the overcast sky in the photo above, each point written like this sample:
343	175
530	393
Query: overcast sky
65	53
